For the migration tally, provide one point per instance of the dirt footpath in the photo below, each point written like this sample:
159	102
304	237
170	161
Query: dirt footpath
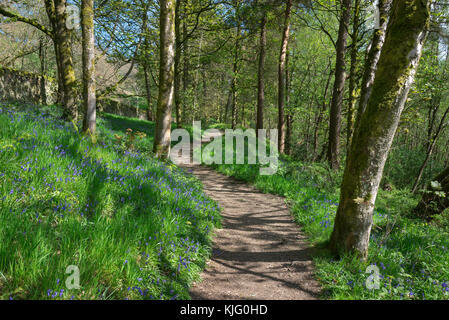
260	252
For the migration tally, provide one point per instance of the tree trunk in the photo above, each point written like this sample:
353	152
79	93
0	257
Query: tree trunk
333	151
288	134
228	106
373	57
177	83
148	92
161	146
235	66
281	77
260	73
320	119
352	75
146	58
42	58
89	98
195	88
63	41
373	137
185	71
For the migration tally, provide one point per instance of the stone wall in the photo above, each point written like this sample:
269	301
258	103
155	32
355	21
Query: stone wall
26	87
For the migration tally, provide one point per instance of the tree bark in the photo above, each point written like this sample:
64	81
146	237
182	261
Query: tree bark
260	73
148	92
161	146
185	71
373	58
281	78
177	83
288	134
373	138
63	40
235	66
146	58
333	151
42	58
89	98
352	75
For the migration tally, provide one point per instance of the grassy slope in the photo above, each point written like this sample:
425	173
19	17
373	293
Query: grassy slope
412	256
135	227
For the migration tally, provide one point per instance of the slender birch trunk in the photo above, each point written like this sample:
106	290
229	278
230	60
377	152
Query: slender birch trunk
352	75
373	57
89	98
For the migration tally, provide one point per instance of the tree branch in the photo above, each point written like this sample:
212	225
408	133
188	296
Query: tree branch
32	22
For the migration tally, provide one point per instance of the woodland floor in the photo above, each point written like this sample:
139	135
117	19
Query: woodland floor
259	253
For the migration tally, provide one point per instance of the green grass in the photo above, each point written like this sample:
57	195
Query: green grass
412	255
135	227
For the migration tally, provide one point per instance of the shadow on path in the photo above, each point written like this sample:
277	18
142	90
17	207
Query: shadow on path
260	253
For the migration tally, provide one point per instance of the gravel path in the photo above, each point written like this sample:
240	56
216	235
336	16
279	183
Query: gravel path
260	253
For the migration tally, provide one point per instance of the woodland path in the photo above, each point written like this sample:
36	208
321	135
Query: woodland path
259	253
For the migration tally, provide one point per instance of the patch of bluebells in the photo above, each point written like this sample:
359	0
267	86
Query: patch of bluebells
134	173
321	210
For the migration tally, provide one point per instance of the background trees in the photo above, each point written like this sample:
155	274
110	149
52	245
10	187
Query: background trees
307	68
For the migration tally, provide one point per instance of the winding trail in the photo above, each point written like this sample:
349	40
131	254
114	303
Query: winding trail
259	253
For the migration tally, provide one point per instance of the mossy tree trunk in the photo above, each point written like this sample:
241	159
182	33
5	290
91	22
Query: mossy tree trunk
333	152
352	73
185	71
146	59
42	59
178	52
289	117
63	41
281	77
88	42
433	202
161	146
373	137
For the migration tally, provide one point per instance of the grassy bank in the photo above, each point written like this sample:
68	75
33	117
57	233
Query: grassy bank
136	228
